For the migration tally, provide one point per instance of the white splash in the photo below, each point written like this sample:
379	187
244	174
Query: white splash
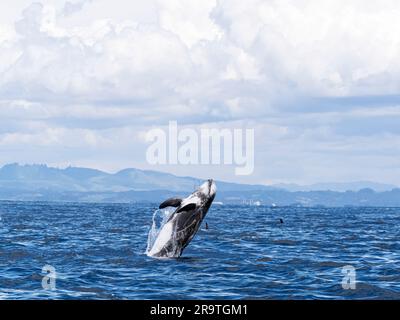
160	218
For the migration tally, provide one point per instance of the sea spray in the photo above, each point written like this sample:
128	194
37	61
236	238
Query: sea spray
160	218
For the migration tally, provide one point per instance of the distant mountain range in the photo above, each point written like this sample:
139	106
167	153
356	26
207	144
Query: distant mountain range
42	177
43	183
339	187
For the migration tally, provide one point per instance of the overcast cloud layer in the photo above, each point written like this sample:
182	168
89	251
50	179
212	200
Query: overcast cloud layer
81	81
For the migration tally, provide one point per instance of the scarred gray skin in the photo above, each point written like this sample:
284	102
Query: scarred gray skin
183	224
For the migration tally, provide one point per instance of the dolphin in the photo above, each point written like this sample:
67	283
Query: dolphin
183	224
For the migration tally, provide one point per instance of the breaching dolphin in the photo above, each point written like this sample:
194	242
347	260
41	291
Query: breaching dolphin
183	224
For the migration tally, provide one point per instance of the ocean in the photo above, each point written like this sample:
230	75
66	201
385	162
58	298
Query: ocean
97	251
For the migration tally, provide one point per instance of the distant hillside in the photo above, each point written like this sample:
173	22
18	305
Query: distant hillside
339	187
42	177
42	183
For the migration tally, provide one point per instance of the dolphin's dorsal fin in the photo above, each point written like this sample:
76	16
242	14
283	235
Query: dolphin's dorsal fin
171	202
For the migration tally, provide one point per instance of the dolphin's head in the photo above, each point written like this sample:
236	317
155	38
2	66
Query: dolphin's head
207	190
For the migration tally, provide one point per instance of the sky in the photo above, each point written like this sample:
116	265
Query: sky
82	81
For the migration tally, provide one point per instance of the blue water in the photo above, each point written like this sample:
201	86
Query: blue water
98	253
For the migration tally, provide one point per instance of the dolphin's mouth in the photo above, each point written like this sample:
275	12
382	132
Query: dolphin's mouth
212	188
208	188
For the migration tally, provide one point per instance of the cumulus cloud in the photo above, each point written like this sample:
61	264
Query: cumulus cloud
259	55
309	75
74	7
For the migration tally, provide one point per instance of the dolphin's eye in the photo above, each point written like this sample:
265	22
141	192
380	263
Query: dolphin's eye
188	207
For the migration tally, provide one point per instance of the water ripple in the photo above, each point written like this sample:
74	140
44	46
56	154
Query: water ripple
98	253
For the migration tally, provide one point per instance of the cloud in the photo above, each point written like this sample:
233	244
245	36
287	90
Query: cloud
227	55
129	64
74	7
315	78
321	48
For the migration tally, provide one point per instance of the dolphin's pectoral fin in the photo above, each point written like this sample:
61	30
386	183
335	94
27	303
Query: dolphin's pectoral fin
172	202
